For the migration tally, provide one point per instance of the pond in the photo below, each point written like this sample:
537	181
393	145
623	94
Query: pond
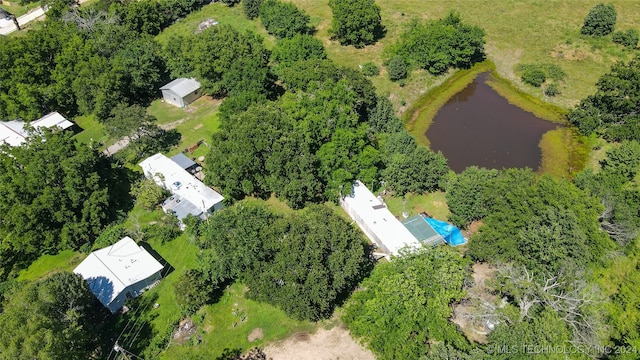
479	127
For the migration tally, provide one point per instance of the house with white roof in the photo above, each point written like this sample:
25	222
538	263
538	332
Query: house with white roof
376	221
15	132
189	196
181	92
118	272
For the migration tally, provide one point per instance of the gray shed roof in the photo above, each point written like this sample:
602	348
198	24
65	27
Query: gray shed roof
182	160
182	86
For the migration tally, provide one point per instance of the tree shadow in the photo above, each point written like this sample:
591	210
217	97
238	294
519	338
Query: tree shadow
102	288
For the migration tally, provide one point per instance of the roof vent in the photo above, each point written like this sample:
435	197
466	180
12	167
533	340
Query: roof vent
177	185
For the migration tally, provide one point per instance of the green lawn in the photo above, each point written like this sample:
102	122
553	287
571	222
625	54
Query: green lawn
433	203
48	264
18	10
195	123
227	324
92	130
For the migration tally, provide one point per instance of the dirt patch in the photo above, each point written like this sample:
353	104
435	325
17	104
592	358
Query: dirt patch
256	334
476	315
565	52
198	126
473	228
186	329
323	345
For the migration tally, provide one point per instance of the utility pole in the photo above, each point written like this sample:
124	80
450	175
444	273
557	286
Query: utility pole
128	355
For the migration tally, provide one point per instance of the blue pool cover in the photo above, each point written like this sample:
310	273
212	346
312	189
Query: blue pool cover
450	233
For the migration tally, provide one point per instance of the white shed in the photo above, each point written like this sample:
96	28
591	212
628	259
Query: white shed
14	132
181	92
120	271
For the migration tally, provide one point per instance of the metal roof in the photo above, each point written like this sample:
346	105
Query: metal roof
182	86
377	222
182	160
14	132
171	176
109	271
421	229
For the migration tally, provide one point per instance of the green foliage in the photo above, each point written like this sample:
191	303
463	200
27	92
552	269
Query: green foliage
55	194
467	195
544	224
54	318
230	2
283	19
613	110
397	68
627	38
306	263
194	289
251	8
600	21
148	194
303	147
298	48
356	22
420	171
533	77
383	118
227	61
370	69
551	89
405	304
623	160
240	102
439	44
545	330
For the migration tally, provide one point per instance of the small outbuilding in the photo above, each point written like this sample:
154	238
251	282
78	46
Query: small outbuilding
118	272
181	92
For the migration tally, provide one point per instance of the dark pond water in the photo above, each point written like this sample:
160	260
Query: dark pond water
479	127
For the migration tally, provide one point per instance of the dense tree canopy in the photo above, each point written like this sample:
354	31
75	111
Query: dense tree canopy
356	22
54	318
544	224
54	194
467	195
404	307
600	21
283	19
437	45
614	110
305	263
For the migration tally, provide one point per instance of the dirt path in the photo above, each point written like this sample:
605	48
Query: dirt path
331	344
122	143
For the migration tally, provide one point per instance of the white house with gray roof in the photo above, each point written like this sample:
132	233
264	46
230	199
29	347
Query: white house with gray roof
181	92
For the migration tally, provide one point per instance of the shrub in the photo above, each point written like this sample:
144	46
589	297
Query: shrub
370	69
534	77
551	90
251	8
628	38
397	68
600	20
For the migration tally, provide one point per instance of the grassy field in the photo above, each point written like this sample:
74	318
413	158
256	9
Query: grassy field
18	10
92	130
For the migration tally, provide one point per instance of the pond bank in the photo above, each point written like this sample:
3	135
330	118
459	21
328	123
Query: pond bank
564	152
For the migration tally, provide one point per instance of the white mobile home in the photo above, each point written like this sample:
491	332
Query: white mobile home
376	221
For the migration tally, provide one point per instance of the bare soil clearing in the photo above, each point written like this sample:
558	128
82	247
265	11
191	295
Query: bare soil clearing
323	345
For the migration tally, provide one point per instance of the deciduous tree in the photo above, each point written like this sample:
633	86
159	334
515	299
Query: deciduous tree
356	22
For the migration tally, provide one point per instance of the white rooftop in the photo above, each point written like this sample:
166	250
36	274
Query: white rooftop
112	269
52	119
14	132
182	86
374	215
168	174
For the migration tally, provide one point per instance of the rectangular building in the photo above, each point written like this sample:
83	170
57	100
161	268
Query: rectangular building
376	221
